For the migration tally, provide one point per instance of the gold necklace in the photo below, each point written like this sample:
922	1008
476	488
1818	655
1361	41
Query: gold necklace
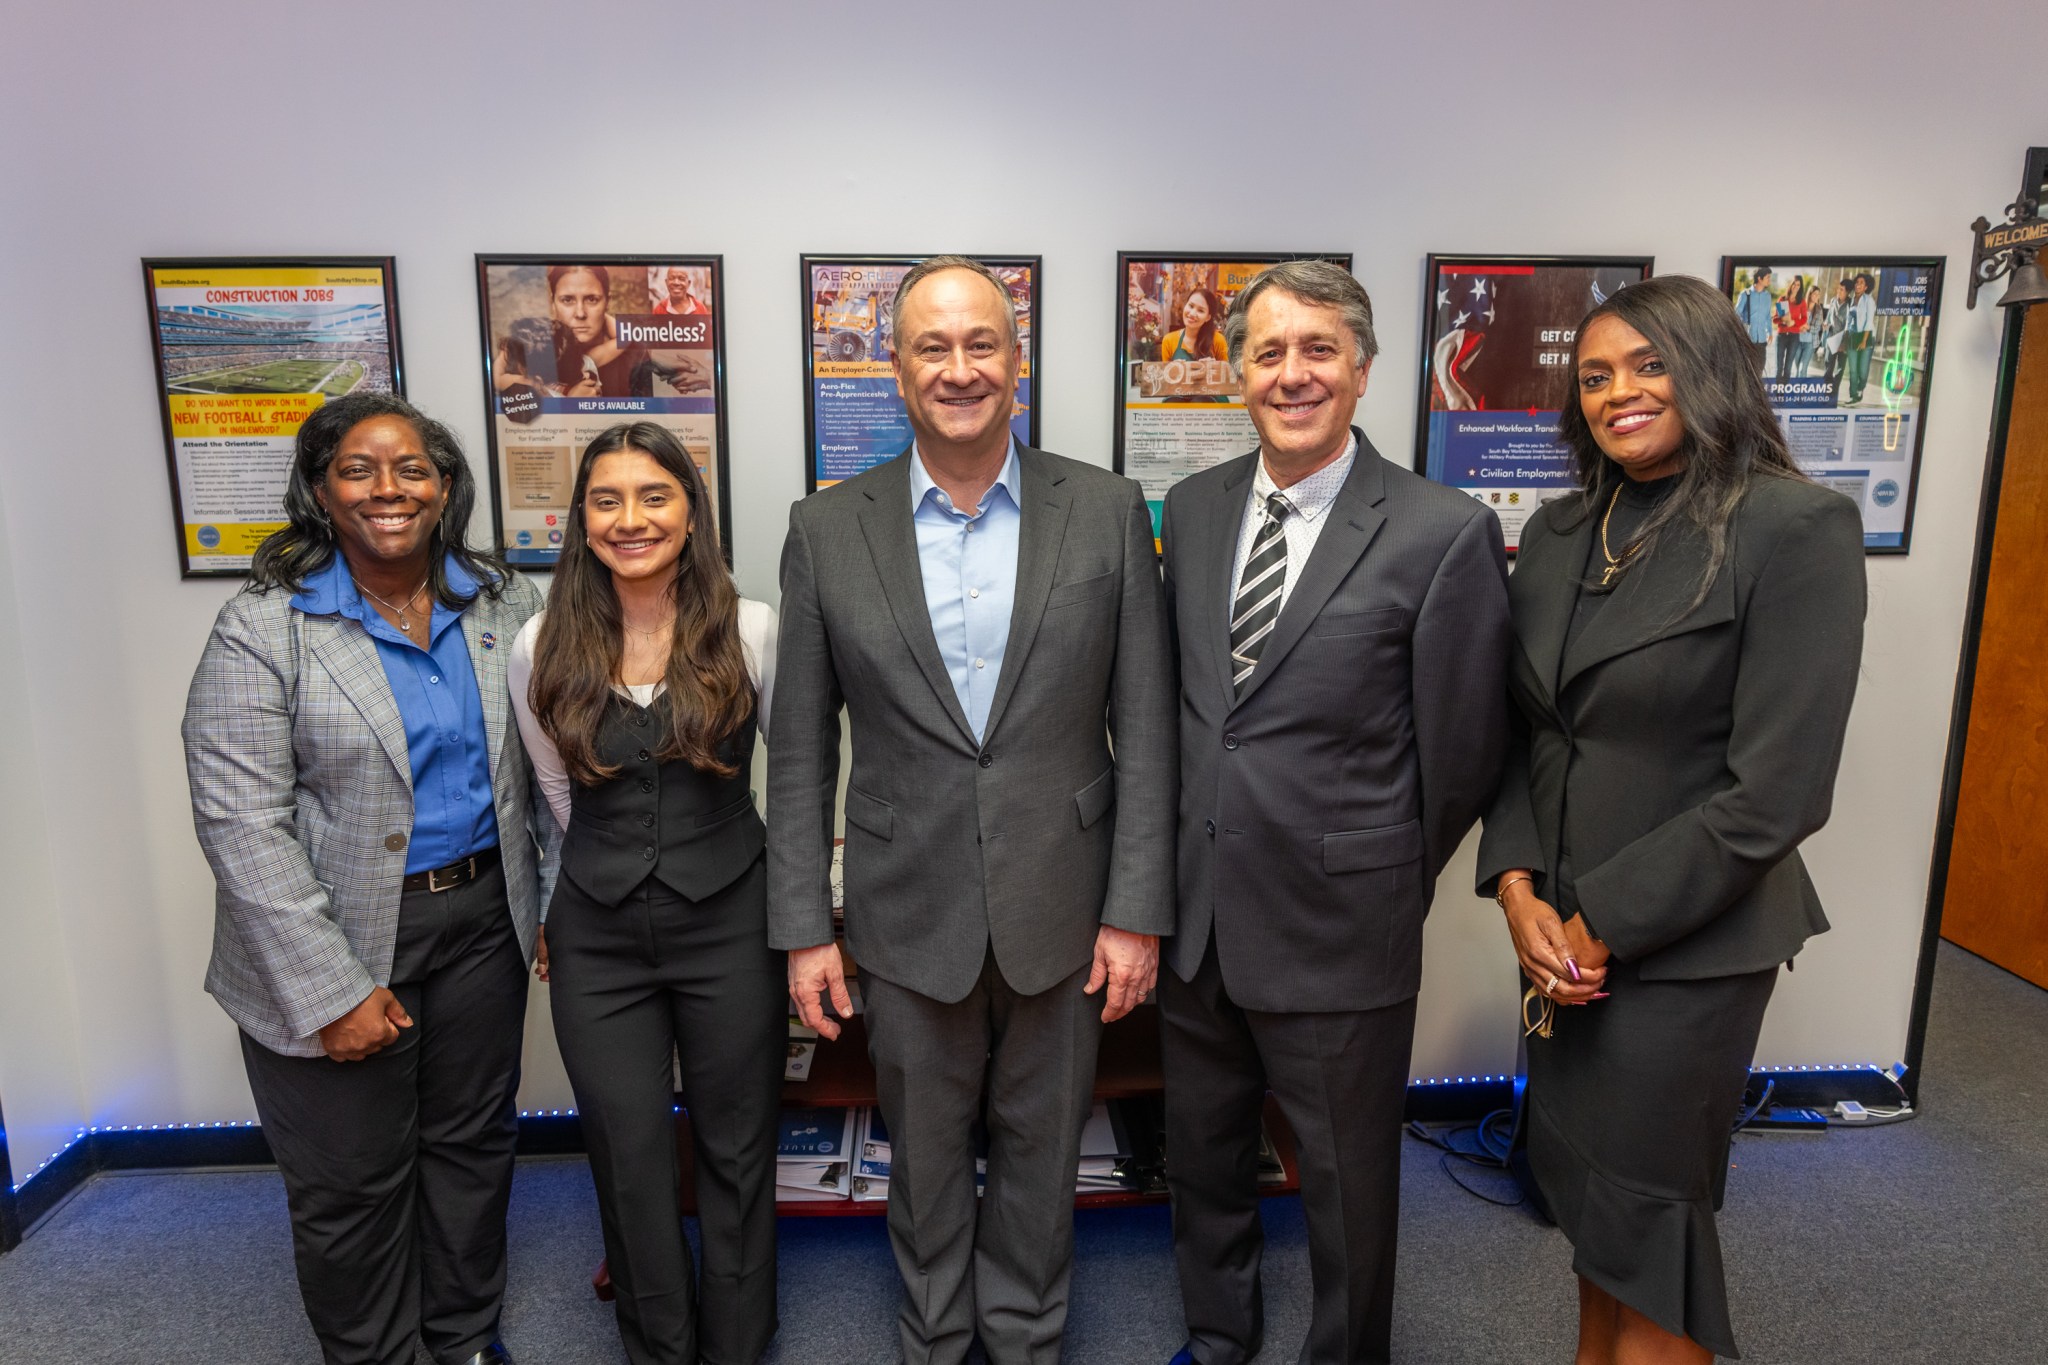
1614	566
403	624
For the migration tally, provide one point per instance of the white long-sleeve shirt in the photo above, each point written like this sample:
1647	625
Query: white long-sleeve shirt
757	646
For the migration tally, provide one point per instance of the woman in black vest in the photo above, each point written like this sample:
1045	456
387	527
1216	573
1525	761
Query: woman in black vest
639	692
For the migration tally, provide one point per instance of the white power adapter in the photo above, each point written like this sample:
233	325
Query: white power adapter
1850	1112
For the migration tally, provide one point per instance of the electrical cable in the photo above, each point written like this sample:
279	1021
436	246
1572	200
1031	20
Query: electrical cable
1492	1138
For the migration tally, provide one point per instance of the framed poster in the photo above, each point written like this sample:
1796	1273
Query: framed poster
246	346
1178	409
853	418
1496	371
575	344
1845	345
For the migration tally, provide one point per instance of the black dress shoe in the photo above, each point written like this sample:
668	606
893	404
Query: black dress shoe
493	1354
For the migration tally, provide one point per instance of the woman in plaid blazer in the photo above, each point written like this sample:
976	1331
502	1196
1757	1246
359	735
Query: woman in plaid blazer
368	811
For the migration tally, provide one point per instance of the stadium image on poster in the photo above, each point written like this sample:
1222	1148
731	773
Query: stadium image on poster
245	348
1845	345
575	345
1496	371
853	417
1178	407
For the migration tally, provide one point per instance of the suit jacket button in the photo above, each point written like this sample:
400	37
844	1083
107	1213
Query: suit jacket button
647	853
987	760
647	784
647	819
394	842
644	755
1230	741
1209	825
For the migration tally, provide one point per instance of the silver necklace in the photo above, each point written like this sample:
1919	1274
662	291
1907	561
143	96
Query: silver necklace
403	624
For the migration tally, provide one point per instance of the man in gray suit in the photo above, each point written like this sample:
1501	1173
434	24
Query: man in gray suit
1342	632
990	617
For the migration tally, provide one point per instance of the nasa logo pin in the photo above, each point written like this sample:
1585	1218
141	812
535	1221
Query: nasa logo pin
490	641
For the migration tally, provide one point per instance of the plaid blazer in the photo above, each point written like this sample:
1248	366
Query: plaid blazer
302	795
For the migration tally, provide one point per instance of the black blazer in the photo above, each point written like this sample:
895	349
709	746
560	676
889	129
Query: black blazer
1317	809
1685	754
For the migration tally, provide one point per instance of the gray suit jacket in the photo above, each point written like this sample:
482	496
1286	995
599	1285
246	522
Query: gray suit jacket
1682	755
1029	841
302	795
1317	809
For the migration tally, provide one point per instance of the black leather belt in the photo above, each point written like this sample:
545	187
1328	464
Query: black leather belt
455	874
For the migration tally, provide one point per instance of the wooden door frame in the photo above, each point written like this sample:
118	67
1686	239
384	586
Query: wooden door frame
1966	683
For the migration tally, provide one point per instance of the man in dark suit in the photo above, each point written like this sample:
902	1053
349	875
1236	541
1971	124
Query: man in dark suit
991	618
1342	630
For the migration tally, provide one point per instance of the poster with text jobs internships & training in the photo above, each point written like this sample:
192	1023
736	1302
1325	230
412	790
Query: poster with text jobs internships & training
1845	345
245	348
1179	408
853	416
573	345
1496	372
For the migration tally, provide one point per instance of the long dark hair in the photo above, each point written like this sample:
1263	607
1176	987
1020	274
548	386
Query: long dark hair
1203	343
305	544
576	659
1731	435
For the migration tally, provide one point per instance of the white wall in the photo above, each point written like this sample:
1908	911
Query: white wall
763	131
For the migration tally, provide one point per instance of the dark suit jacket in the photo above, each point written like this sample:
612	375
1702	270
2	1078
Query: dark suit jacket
1317	810
1684	754
1032	839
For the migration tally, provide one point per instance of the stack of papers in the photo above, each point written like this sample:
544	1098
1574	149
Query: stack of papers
803	1048
1105	1152
813	1154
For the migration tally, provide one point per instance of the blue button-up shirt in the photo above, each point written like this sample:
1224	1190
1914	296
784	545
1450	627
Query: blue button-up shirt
446	740
970	579
1754	307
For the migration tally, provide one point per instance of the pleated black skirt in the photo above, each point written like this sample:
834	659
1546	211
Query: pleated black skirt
1630	1104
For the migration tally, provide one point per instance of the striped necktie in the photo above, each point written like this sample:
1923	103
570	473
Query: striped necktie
1258	594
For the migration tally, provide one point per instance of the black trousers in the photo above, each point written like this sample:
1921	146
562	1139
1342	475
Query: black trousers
1341	1080
398	1168
1001	1265
634	985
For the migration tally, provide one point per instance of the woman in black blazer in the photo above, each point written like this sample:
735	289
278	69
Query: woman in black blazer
1690	625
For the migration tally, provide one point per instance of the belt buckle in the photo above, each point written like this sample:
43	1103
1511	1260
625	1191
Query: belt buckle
458	873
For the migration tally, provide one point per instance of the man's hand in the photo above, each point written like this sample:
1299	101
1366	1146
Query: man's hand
540	953
814	972
1129	964
368	1028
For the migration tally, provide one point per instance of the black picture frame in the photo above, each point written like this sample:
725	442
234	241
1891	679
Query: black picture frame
259	446
873	340
1520	437
1156	481
526	547
1852	470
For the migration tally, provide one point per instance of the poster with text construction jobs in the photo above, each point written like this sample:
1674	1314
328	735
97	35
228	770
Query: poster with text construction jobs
245	348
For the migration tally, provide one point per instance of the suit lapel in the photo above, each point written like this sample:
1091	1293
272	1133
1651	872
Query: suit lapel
1651	603
487	661
1042	528
892	541
1222	525
1542	592
1348	528
349	655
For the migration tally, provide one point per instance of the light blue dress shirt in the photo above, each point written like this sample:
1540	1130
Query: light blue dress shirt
447	743
970	579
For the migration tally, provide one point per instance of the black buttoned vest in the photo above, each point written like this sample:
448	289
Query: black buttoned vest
694	830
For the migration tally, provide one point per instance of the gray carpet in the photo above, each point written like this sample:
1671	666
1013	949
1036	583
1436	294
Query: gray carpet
1923	1241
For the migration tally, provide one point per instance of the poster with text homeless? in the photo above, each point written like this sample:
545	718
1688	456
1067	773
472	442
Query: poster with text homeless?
573	345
